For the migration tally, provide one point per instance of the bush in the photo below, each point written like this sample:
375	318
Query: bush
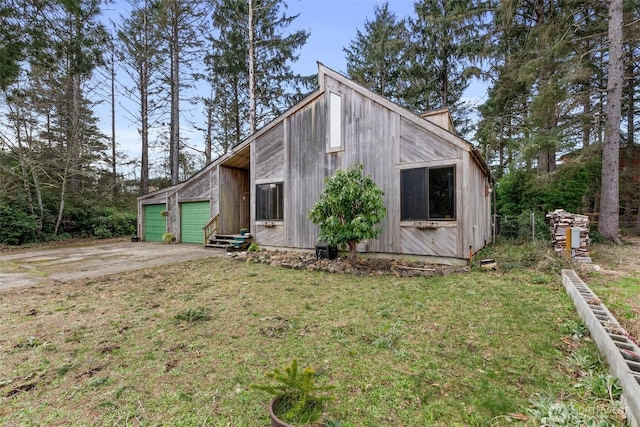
572	188
113	223
350	207
520	228
595	236
16	226
516	193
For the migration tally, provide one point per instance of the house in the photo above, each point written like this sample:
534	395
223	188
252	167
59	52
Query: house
436	185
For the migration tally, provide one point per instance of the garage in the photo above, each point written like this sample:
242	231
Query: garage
155	223
193	216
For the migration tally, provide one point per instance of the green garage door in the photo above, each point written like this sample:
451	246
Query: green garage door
155	225
193	216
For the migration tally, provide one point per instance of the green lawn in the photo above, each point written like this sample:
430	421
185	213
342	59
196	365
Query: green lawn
180	345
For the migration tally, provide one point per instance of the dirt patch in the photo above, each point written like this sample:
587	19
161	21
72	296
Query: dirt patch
618	279
618	260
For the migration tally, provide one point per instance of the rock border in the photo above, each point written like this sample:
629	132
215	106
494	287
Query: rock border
364	266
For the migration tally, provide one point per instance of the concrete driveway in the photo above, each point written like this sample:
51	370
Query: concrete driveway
64	263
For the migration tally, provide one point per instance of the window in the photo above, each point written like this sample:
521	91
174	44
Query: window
427	194
335	121
269	202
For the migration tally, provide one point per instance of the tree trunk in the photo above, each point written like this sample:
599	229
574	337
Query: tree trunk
609	221
38	192
63	194
114	171
174	144
252	71
353	251
630	78
586	118
209	134
144	115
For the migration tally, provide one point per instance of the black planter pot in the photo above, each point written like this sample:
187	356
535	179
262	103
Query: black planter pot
134	239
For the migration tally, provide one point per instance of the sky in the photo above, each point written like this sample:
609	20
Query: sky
332	24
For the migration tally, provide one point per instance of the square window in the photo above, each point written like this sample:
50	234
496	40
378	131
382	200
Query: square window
427	194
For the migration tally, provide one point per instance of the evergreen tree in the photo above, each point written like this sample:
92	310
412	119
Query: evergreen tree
53	125
140	51
377	56
446	42
180	22
546	80
228	76
250	65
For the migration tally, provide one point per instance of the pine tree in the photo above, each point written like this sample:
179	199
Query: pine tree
377	56
228	76
257	94
180	22
51	112
446	41
546	80
140	51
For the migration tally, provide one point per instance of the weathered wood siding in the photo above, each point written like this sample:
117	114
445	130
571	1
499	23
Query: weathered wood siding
305	160
371	137
476	212
382	141
214	191
173	214
270	236
268	167
269	156
155	199
421	148
234	200
441	241
196	189
419	145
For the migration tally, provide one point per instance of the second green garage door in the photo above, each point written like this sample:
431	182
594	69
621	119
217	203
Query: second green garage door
193	216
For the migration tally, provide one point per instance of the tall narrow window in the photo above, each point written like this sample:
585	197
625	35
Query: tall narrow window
441	194
335	121
427	194
413	185
269	202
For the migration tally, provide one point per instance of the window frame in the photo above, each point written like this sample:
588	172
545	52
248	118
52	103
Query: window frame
279	196
335	139
408	208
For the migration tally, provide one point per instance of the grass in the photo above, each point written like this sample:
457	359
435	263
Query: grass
180	345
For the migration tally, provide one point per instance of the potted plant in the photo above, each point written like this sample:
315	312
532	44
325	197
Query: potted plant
297	400
168	238
134	238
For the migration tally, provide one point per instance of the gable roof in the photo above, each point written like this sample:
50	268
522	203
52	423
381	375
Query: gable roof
407	114
324	71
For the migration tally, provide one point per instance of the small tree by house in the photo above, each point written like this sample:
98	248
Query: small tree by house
349	209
